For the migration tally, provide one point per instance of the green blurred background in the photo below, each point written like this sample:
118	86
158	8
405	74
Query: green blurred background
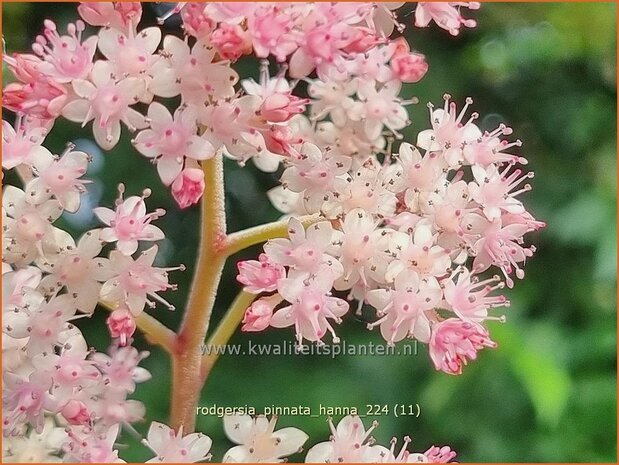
549	392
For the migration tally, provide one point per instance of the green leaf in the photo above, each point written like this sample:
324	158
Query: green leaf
547	384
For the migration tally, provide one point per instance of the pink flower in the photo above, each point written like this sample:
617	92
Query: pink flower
192	73
409	67
77	268
281	140
121	324
76	413
360	250
20	145
278	104
454	341
26	224
24	401
92	446
136	280
308	252
401	310
260	275
120	368
129	223
24	66
502	246
311	307
272	32
171	446
469	297
65	57
450	132
445	14
170	139
60	177
496	190
108	102
489	149
119	15
382	107
421	254
231	41
315	174
363	40
259	315
42	97
131	54
188	187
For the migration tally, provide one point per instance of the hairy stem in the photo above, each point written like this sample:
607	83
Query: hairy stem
186	380
226	328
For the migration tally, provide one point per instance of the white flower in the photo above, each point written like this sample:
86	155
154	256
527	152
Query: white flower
172	447
35	447
350	442
258	441
76	267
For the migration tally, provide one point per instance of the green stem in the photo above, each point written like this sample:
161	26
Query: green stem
241	240
226	328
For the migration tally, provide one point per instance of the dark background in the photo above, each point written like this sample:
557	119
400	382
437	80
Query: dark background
549	392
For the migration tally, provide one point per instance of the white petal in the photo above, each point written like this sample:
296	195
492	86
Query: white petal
301	64
320	453
149	39
199	148
237	454
159	115
238	427
169	168
291	441
77	111
101	134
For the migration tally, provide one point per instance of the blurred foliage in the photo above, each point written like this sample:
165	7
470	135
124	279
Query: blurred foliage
549	392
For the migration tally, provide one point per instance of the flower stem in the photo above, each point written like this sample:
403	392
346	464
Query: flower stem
241	240
187	356
226	328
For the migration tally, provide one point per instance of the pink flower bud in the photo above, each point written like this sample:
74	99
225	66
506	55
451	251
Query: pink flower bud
280	107
260	275
279	139
24	66
121	324
453	341
195	22
231	41
364	39
409	67
188	187
76	413
258	316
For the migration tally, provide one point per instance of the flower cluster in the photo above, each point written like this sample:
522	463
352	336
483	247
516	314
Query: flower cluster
110	78
404	232
349	442
411	233
58	395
